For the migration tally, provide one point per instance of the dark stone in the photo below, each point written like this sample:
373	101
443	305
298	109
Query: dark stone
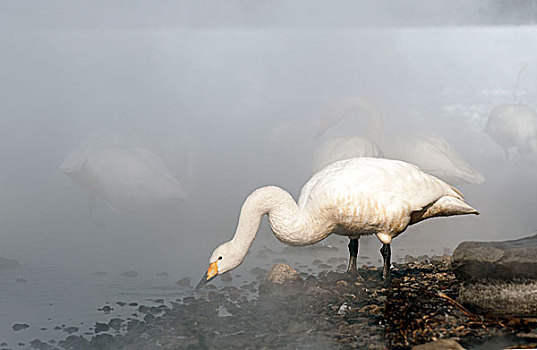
73	342
70	329
506	260
101	327
501	298
184	282
115	323
20	326
129	274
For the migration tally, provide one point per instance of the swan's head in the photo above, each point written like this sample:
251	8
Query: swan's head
224	258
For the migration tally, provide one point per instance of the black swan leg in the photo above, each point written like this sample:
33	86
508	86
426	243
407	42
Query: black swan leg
353	253
386	252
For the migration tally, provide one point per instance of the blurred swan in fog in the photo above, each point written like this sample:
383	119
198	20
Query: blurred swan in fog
339	148
432	154
513	126
353	197
124	171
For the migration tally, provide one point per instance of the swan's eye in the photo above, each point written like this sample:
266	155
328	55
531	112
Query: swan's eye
219	258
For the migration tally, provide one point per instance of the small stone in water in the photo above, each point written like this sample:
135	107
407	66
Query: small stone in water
184	282
98	273
71	330
101	327
20	326
129	273
227	277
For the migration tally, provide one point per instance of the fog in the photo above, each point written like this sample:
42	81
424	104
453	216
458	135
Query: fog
232	103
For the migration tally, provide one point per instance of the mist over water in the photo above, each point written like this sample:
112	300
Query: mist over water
231	109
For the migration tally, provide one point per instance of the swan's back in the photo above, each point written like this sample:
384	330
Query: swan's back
378	179
126	173
512	125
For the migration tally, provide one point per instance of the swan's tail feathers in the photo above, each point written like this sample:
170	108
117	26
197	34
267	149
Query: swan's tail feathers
445	206
459	193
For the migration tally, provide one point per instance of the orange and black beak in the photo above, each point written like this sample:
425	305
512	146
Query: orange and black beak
211	273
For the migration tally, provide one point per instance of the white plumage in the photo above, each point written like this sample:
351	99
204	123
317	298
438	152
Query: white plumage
123	171
432	154
353	197
435	156
513	126
339	148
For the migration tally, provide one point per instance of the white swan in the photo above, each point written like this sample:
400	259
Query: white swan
339	148
122	170
432	154
435	156
352	197
513	126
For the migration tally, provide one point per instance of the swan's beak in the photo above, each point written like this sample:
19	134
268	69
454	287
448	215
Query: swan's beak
211	273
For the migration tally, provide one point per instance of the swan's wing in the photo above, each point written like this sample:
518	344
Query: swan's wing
376	177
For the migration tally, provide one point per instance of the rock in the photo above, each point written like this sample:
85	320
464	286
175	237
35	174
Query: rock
506	260
441	344
101	327
129	273
501	298
71	342
98	273
226	277
184	282
8	264
115	323
70	330
282	274
20	326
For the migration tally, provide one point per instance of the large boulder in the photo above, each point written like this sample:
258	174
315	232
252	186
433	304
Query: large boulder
498	278
501	298
505	261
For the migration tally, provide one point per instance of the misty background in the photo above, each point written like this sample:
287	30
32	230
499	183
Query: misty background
233	92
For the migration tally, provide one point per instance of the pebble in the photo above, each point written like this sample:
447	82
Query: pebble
130	274
20	326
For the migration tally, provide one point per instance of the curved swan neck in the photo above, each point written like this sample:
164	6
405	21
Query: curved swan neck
288	222
374	125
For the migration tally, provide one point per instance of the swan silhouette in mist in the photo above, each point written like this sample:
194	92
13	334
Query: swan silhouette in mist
339	148
353	197
432	154
513	126
125	171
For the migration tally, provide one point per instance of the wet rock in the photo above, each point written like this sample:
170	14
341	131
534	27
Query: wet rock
20	326
226	277
101	327
115	323
506	260
106	309
441	344
130	274
183	282
501	298
103	341
70	329
8	264
98	273
73	342
282	274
